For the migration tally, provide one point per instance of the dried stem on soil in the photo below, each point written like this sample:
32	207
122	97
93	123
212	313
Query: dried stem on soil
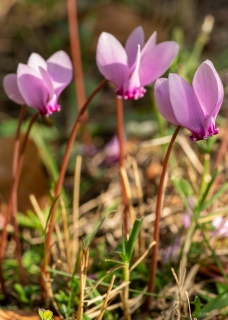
157	220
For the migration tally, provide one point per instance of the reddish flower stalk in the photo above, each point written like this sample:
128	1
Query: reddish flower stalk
120	134
76	54
11	204
63	170
157	220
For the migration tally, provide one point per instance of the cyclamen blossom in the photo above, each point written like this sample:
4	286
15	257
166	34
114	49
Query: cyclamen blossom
39	83
193	107
137	65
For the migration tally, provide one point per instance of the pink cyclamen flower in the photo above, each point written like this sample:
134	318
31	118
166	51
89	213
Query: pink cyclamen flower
39	83
193	107
137	65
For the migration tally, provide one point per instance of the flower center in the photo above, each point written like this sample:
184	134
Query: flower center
50	107
134	93
204	135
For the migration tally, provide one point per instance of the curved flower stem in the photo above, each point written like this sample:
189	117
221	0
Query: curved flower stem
157	220
9	209
120	134
63	170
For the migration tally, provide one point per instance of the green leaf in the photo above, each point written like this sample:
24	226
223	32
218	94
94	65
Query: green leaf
207	204
184	189
21	293
96	229
209	185
49	214
45	314
197	304
216	304
132	239
28	221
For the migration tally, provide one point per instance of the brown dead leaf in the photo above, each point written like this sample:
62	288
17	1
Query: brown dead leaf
32	179
20	315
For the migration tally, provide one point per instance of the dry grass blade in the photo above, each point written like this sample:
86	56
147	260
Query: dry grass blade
178	307
189	308
66	234
111	294
128	192
94	314
37	210
183	142
84	259
143	256
77	172
141	240
106	298
93	287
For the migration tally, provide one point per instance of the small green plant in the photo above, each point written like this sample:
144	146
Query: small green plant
45	314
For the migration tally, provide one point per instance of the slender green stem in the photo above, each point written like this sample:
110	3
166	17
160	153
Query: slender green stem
126	276
157	220
187	244
120	134
204	180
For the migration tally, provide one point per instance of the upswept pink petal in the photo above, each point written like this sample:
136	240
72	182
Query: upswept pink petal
151	42
133	85
186	107
60	69
112	59
47	81
35	61
208	88
32	87
156	60
11	88
136	38
162	98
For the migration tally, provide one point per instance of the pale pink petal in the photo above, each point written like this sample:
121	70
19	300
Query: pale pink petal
162	98
156	60
35	61
11	88
151	42
208	88
136	38
111	59
60	69
48	82
134	82
32	87
186	107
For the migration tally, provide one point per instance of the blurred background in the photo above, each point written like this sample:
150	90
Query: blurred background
28	26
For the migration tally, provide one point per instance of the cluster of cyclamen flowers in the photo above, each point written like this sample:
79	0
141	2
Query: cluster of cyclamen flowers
39	83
